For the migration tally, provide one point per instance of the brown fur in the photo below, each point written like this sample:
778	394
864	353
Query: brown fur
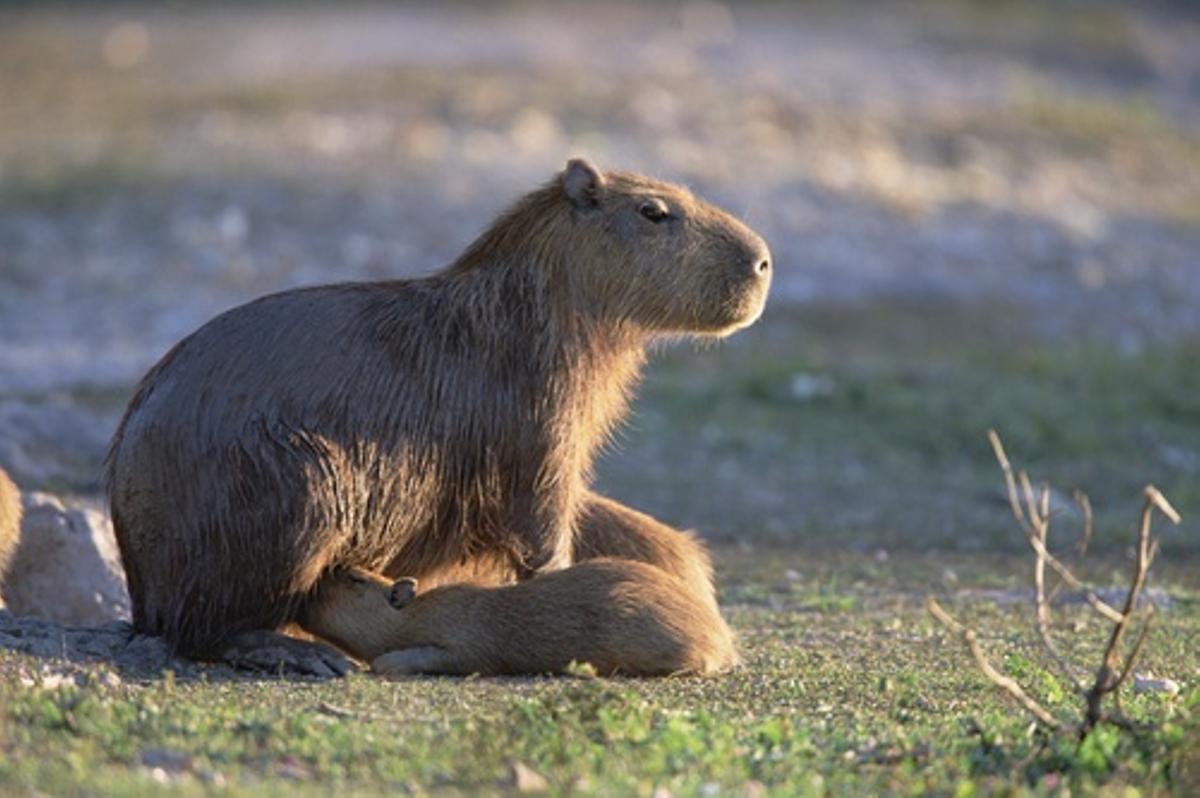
619	616
10	525
445	425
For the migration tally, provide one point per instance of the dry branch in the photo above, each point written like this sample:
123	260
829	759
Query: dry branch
1032	513
1027	526
999	679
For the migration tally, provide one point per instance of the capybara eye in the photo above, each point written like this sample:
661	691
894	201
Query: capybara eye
655	210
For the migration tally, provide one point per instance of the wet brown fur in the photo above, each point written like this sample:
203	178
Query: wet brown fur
620	616
10	525
441	427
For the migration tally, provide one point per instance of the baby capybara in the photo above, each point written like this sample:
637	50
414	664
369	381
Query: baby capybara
419	426
620	616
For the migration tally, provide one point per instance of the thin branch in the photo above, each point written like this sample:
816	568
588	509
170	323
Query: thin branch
1006	467
1065	574
1136	650
1085	509
1112	673
1085	534
1041	525
999	679
1028	526
1160	501
1035	520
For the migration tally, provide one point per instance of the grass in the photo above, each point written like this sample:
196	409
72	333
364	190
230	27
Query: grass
862	694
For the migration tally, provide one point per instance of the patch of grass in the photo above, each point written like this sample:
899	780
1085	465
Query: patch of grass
869	698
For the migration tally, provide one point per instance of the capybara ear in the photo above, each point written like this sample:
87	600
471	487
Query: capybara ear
582	183
402	592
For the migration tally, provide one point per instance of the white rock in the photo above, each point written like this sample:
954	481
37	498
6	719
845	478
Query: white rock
805	386
67	567
1148	683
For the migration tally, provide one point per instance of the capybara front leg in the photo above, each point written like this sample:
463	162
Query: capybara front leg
271	652
545	546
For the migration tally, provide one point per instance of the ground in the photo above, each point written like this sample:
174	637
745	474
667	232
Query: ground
981	215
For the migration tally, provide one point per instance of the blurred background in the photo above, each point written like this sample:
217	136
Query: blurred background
982	214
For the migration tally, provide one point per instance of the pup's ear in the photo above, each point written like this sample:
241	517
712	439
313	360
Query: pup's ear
402	592
582	183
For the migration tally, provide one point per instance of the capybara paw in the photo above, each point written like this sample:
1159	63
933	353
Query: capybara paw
423	659
402	592
271	652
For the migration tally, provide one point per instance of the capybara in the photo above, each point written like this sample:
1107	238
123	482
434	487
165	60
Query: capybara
10	525
415	427
620	616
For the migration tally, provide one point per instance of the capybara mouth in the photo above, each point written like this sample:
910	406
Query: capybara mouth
748	301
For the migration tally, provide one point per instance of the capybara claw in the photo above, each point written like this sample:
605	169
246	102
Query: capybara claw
403	591
271	652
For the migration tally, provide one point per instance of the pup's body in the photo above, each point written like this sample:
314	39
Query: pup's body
619	616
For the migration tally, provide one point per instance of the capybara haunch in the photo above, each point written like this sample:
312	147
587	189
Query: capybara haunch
10	525
411	427
620	616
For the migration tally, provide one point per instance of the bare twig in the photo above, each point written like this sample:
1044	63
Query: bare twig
1039	515
1136	650
1085	509
999	679
1006	467
1032	513
1112	673
1031	534
1041	528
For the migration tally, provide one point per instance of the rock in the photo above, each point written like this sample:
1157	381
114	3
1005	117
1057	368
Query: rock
527	780
67	567
1148	683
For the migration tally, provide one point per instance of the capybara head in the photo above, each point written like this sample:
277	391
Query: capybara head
634	251
675	263
347	592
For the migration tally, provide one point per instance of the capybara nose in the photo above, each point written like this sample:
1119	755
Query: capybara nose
760	258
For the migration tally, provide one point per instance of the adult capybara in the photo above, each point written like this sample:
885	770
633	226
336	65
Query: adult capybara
417	426
10	525
620	616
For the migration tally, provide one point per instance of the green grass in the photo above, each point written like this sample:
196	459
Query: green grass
855	692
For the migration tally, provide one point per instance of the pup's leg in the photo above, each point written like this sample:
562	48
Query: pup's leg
424	659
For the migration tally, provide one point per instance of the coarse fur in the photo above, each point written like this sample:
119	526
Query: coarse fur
619	616
10	525
439	425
